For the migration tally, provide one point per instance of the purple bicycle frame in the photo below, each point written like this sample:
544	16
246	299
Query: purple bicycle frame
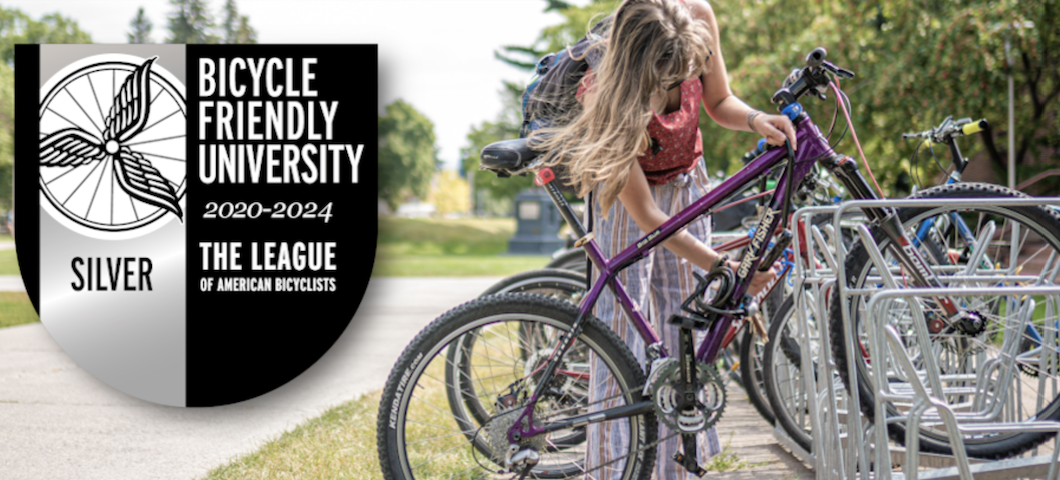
812	146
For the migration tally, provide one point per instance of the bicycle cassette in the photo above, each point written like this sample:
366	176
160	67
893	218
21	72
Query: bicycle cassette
710	398
497	433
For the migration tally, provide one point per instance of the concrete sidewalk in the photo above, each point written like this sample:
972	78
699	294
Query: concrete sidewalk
11	283
58	422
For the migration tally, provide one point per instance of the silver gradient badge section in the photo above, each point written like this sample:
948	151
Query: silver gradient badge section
112	238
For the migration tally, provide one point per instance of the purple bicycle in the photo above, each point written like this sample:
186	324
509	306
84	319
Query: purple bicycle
528	357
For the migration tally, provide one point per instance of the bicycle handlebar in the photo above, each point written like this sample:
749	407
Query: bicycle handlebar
809	79
948	130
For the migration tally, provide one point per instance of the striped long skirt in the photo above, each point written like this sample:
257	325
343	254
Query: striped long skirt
657	285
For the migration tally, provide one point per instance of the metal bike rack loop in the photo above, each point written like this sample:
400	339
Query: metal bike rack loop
843	441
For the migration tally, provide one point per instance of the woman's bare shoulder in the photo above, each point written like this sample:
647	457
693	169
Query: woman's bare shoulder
701	10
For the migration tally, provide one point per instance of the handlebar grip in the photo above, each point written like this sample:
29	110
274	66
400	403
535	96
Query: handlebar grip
816	57
974	127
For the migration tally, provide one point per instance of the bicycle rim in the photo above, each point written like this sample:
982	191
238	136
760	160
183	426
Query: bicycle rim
507	356
960	356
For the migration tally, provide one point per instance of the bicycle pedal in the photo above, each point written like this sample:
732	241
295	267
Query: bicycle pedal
692	466
690	323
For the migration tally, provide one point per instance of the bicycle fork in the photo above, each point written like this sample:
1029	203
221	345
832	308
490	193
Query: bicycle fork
916	266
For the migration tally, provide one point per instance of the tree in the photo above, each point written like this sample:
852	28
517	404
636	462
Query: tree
7	130
17	27
489	189
141	28
190	22
407	154
236	27
449	193
916	61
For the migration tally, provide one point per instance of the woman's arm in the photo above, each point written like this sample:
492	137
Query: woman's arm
640	205
638	202
718	100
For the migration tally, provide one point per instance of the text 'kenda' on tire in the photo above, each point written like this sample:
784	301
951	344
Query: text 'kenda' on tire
419	437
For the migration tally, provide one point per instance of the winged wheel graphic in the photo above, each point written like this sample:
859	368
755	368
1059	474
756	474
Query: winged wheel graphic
127	117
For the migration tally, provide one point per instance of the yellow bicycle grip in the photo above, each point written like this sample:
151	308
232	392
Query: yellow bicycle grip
974	127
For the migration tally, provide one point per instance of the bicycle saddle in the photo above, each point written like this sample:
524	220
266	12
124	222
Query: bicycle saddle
508	154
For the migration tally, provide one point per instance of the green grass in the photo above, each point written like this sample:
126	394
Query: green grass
16	309
8	262
338	444
414	247
341	443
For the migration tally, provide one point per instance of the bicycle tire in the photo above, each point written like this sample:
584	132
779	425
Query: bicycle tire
783	380
464	403
574	260
783	377
396	430
752	359
1044	223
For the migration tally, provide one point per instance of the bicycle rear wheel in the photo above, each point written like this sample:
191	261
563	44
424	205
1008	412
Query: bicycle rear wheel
782	372
574	260
418	437
752	350
960	354
464	401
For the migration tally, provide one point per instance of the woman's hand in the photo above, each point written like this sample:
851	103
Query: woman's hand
761	279
776	129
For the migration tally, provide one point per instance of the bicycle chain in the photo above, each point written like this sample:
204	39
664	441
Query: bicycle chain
631	454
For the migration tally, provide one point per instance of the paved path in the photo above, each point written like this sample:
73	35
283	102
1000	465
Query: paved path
58	422
11	283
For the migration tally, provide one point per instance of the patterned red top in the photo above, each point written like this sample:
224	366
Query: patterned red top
676	137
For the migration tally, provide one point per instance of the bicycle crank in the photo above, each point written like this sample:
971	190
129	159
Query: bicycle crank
710	398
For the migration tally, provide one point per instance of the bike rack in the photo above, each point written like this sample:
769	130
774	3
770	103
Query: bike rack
846	439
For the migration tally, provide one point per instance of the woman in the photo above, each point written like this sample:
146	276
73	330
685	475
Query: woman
635	149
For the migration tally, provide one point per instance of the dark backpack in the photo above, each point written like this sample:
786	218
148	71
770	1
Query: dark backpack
550	95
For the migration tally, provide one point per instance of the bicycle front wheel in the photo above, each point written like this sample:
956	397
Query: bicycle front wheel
983	372
515	337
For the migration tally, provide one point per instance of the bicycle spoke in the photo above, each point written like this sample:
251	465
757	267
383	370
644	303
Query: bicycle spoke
94	192
90	120
155	140
95	97
82	182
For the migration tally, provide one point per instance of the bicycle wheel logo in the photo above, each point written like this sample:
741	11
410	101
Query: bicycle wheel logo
112	146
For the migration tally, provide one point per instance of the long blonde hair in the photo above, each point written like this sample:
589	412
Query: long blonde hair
651	44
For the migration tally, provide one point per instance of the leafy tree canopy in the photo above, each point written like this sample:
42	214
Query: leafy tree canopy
190	22
488	187
17	27
236	27
916	62
407	154
140	28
